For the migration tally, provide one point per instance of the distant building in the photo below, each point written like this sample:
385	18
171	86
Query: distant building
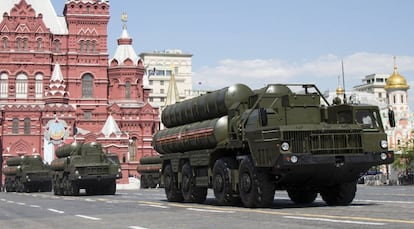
374	84
58	84
158	65
391	90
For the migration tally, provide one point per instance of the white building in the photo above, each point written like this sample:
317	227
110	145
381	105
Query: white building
159	66
374	84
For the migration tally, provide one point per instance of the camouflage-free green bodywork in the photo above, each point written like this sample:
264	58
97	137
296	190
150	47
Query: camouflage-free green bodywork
247	144
27	174
85	166
149	168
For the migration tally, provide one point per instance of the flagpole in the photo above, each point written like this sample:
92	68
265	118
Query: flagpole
343	80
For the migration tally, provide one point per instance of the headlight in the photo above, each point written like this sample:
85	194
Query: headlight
285	146
384	144
383	156
76	172
119	170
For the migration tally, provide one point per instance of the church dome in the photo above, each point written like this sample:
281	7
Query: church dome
396	81
340	90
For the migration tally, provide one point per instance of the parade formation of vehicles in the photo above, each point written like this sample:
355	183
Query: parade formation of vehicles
245	144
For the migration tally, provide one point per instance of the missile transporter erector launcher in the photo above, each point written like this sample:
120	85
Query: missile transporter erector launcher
27	174
149	168
246	144
84	166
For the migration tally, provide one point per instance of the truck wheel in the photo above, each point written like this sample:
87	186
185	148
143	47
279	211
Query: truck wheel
151	182
191	193
171	185
222	185
340	194
66	186
111	188
74	188
301	195
256	190
57	187
91	191
144	183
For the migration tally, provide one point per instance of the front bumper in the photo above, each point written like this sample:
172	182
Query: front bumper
300	169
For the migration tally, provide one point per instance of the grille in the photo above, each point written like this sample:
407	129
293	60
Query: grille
93	170
324	142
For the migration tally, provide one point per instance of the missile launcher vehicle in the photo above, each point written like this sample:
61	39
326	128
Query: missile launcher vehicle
27	174
149	168
246	144
84	166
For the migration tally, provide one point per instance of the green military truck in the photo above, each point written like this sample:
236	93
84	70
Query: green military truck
150	170
246	144
85	166
27	174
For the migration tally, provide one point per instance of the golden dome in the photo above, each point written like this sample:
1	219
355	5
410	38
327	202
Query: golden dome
340	90
396	81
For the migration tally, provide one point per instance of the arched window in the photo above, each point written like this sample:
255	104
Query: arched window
25	43
88	46
4	43
56	45
4	85
39	86
26	125
15	127
128	90
81	46
87	86
93	46
18	43
39	44
131	149
21	86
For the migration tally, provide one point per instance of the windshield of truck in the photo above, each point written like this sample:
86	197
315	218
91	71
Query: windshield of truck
113	158
367	119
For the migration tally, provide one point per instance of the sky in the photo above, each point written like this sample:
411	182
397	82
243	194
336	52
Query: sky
272	41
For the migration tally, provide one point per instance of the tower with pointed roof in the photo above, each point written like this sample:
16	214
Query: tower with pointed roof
397	96
128	96
396	87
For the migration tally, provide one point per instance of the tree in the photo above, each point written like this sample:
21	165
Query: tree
404	162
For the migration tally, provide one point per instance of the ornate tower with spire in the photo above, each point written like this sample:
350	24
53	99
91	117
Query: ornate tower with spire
128	98
396	88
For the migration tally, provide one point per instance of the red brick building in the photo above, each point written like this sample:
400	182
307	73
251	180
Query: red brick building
58	84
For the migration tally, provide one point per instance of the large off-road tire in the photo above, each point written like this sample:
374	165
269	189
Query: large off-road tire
91	190
66	186
73	188
191	193
302	195
255	187
171	185
340	194
111	188
222	183
57	187
144	181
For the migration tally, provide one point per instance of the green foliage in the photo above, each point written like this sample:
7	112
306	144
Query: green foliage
404	161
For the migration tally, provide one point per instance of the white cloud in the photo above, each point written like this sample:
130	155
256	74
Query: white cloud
322	71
